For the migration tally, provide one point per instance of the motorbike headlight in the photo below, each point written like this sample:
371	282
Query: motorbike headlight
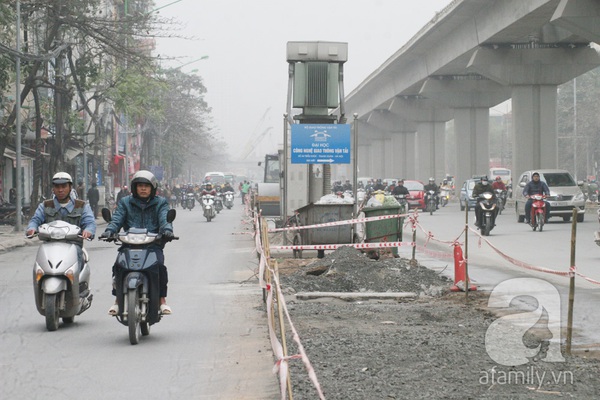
39	273
70	273
487	196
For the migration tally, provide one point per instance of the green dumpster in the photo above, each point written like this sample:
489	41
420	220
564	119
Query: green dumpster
385	230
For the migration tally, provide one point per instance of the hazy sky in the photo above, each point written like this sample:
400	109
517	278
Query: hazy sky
246	73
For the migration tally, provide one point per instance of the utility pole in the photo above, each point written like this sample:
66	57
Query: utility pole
19	205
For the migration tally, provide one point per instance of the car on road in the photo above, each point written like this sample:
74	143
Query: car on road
565	194
466	199
416	198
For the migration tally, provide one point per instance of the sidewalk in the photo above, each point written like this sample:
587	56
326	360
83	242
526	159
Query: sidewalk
9	239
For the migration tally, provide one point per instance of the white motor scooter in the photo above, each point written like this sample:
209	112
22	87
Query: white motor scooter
229	200
60	285
208	206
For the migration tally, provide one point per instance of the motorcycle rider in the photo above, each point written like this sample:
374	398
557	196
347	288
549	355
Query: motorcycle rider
208	189
64	206
535	186
400	188
481	187
227	188
378	185
347	187
436	191
144	209
498	184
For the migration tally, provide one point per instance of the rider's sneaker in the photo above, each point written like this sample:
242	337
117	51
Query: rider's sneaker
165	309
113	310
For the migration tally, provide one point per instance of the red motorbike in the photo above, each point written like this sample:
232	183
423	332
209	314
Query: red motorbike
538	212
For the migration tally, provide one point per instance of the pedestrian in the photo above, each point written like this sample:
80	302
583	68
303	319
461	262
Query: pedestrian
93	196
245	190
79	190
122	193
12	196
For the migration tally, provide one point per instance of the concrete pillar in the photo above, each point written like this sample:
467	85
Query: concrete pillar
431	148
533	74
472	130
398	146
378	160
534	127
364	160
410	156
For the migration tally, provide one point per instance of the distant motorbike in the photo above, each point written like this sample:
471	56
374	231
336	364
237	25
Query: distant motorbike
208	206
501	196
189	201
444	197
488	203
229	200
136	278
218	202
430	201
183	200
538	212
60	285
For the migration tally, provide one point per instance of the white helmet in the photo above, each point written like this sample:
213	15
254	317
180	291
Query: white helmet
61	177
144	176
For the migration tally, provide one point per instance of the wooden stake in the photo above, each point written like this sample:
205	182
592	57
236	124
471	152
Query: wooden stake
571	283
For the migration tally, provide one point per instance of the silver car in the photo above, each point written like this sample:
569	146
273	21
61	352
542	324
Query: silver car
565	194
466	198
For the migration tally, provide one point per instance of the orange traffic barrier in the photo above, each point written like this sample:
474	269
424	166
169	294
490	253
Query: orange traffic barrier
460	276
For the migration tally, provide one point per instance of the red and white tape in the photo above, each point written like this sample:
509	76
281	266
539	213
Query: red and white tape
377	245
338	223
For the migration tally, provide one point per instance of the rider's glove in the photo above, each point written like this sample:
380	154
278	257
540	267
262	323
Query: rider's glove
106	235
168	235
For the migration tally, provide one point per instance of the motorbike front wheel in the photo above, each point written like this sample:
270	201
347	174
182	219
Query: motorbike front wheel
539	221
133	315
487	227
51	311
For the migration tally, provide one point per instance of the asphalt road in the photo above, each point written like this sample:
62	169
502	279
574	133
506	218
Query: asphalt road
214	346
549	249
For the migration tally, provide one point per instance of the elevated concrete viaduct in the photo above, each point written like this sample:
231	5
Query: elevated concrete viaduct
472	56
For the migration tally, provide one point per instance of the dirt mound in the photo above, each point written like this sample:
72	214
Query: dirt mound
349	270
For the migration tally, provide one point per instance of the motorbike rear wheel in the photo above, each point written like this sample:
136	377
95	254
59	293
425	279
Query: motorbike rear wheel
52	311
133	315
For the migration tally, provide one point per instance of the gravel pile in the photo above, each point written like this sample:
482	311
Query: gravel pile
429	348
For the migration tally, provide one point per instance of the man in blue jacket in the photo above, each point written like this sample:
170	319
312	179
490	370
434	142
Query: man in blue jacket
144	209
535	186
64	206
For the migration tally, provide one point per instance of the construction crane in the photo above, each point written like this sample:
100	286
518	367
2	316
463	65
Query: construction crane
255	137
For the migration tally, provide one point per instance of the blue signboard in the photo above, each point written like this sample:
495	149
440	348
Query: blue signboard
320	144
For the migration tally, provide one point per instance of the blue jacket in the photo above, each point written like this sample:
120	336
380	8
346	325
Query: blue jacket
132	212
536	188
83	217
